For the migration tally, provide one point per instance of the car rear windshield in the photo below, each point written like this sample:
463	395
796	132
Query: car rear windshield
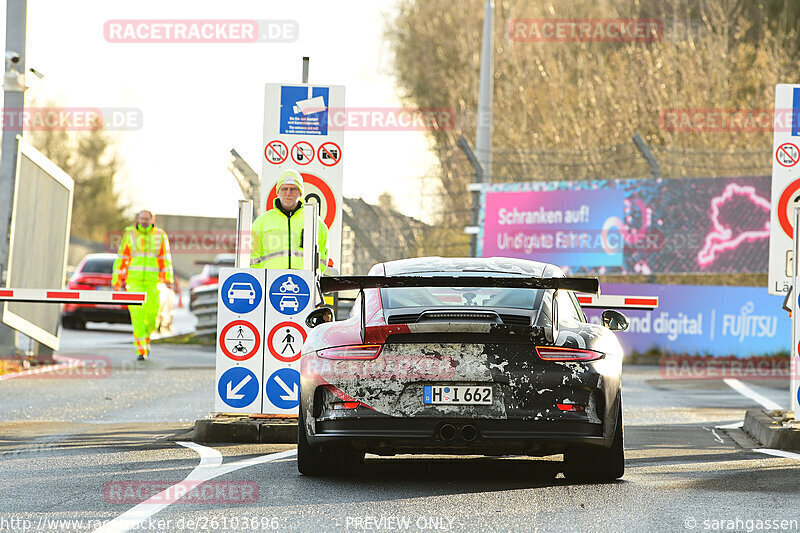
99	265
461	297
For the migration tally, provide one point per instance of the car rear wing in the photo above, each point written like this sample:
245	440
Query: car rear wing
344	283
616	301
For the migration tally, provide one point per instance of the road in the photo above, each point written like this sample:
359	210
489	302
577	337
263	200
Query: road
89	449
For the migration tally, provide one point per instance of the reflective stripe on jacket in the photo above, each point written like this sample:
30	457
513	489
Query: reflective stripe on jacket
143	257
276	240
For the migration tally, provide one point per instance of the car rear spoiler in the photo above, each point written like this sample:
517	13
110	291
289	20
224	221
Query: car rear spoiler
345	283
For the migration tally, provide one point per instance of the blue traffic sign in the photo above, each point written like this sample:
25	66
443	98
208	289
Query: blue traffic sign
796	112
304	110
289	294
238	387
241	293
283	388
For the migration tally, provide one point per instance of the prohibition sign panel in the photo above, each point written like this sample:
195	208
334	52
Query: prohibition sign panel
327	203
329	154
788	195
242	343
302	153
276	152
286	335
787	155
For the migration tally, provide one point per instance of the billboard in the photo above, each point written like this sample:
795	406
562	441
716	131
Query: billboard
40	221
641	226
703	320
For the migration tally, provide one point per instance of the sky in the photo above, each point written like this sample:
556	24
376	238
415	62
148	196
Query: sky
198	101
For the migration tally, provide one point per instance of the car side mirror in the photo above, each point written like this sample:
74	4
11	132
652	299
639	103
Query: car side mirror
614	320
319	316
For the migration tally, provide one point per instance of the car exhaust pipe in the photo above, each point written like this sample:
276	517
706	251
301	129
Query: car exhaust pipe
469	433
447	432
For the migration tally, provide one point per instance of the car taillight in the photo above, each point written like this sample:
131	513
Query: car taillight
360	351
560	353
571	407
77	286
338	406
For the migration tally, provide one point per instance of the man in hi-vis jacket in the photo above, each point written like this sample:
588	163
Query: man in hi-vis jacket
143	261
277	234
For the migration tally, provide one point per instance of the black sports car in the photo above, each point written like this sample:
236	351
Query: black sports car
462	356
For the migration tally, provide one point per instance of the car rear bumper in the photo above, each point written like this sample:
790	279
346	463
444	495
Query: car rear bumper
387	435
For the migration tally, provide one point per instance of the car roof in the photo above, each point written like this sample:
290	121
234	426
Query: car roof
501	265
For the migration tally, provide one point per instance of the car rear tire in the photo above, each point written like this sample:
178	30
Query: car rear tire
598	465
338	459
310	459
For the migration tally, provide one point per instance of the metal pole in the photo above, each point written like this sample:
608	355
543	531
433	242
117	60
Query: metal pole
13	102
794	366
483	137
647	152
244	222
463	143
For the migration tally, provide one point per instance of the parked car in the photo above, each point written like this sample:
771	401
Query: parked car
210	273
93	273
462	356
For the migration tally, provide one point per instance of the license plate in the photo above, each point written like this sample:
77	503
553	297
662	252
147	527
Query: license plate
458	395
104	288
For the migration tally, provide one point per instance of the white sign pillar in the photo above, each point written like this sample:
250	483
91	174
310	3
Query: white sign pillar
304	131
785	185
240	340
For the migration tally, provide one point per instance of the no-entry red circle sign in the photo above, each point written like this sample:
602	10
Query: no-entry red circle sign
242	343
327	202
329	154
302	153
787	155
289	337
276	152
783	206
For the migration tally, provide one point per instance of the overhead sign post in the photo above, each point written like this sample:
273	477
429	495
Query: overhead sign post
240	343
785	185
298	135
289	298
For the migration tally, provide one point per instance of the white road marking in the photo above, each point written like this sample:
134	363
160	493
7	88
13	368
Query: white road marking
716	437
734	425
209	468
744	390
778	453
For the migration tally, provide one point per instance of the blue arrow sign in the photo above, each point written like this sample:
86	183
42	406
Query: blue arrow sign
283	388
238	387
241	293
289	294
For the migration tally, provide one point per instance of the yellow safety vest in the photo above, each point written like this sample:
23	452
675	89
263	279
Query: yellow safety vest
276	240
143	257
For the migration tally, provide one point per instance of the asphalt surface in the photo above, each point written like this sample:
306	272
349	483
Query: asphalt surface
87	449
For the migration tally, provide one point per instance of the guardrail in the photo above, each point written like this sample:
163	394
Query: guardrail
203	305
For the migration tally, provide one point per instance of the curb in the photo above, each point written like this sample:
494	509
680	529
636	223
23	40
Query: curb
773	429
245	430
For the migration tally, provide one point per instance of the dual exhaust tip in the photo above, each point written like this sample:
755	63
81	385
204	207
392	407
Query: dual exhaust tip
467	432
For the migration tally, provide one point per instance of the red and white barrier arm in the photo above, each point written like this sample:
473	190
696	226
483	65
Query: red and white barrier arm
69	296
614	301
